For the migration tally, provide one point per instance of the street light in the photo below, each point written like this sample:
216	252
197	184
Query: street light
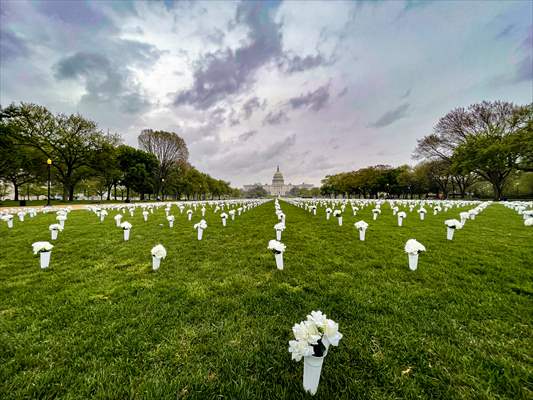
163	189
48	164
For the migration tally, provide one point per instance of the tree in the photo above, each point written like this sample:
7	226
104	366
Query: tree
490	139
106	167
256	192
168	148
137	170
68	140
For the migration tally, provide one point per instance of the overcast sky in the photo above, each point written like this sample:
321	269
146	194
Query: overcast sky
317	87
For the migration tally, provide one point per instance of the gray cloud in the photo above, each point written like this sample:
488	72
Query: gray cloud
227	72
251	105
11	46
391	116
247	135
300	64
343	92
524	70
315	100
105	81
275	118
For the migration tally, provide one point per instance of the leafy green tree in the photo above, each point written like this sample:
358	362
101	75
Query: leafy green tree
137	170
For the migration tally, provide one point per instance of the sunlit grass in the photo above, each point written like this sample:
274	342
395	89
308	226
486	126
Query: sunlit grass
215	320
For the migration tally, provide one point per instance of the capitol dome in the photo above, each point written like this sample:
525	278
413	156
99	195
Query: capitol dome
278	180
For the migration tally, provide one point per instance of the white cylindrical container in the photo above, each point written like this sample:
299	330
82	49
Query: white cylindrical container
21	218
327	216
233	217
413	261
314	211
312	371
102	217
189	216
54	234
422	215
118	222
340	221
145	216
156	262
362	234
200	233
278	235
126	234
375	216
10	223
279	260
472	216
223	221
171	224
400	221
449	233
45	259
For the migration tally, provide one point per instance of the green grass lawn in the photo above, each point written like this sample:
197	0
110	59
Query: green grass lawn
214	322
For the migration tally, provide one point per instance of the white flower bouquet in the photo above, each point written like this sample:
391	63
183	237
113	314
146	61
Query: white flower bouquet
328	213
54	230
158	253
126	226
413	248
312	340
224	217
118	218
451	226
528	222
278	249
44	249
422	212
232	214
361	227
376	212
170	219
200	226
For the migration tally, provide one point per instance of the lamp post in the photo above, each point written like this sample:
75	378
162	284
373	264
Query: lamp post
48	164
162	189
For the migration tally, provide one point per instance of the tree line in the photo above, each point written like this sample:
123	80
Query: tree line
489	144
81	155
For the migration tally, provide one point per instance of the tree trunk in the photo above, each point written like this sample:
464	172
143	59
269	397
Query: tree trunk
16	189
71	193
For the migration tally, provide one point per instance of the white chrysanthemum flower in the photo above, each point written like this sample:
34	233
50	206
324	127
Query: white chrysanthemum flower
280	226
317	318
202	224
414	247
55	227
402	214
422	210
39	247
528	222
337	213
125	225
61	217
376	211
118	217
299	349
170	218
276	246
453	223
361	225
223	215
331	331
159	251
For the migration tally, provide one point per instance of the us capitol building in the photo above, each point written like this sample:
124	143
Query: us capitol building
278	187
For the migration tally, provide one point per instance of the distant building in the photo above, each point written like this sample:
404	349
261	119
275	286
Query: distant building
278	187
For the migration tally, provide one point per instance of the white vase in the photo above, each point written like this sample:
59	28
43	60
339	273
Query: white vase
340	221
314	211
126	234
422	215
327	216
375	216
62	223
400	221
156	262
145	218
21	218
118	222
45	259
54	234
223	221
312	371
10	223
463	220
473	216
413	261
200	233
233	217
362	234
171	224
189	216
278	235
449	233
279	260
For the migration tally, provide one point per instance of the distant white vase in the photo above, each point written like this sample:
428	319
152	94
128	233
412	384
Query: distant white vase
314	211
413	261
422	216
102	217
279	260
340	220
54	233
327	216
232	217
200	233
400	221
126	234
189	216
449	233
223	221
312	371
45	259
375	216
10	223
117	220
145	216
278	235
171	224
21	218
62	223
362	234
156	262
